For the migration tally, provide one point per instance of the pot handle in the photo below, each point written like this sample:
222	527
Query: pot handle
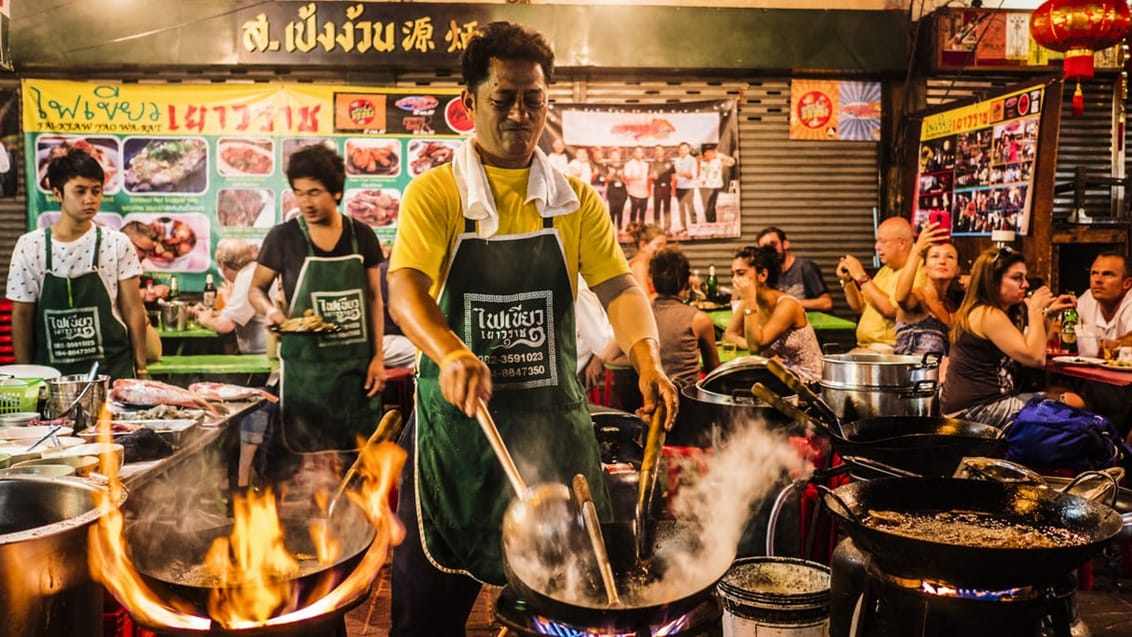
881	467
921	388
832	497
930	360
1088	475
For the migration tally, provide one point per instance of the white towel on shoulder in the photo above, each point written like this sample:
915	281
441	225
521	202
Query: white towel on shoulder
547	187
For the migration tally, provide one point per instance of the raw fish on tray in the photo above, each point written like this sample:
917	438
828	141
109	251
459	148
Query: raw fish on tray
136	391
224	391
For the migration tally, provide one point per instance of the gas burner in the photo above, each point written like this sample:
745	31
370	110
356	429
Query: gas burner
866	601
520	618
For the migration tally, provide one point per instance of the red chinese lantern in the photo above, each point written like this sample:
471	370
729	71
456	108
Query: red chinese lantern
1077	28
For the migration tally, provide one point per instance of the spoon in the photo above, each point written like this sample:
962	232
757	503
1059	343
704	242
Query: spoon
585	503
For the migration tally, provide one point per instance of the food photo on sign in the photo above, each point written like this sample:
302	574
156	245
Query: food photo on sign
104	150
375	207
674	164
182	243
369	157
245	157
160	165
245	207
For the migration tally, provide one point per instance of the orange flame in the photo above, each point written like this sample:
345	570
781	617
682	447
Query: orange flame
251	558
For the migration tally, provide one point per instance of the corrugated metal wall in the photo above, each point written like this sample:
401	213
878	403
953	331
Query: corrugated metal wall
821	193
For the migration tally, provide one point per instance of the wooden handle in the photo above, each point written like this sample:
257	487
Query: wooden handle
646	489
791	380
593	528
389	427
487	423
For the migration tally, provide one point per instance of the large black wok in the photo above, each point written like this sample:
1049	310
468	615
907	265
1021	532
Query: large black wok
1026	505
689	567
167	557
924	445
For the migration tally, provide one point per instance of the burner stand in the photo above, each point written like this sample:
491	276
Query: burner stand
521	619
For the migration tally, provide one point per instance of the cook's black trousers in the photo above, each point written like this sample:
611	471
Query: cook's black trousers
426	602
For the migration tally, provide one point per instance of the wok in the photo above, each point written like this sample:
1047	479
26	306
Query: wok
164	556
1030	506
925	445
690	567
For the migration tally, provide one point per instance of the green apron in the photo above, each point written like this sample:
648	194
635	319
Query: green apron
510	299
322	377
76	322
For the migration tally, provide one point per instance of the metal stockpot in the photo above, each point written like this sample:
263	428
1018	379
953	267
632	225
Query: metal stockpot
870	385
711	408
47	588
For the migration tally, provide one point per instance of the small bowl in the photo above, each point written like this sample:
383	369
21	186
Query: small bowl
105	451
19	453
18	419
38	470
82	465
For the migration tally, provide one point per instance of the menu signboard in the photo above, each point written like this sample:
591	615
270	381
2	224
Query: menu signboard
977	164
201	163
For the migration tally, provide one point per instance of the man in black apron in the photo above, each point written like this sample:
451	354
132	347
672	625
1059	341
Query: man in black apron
481	280
74	284
330	387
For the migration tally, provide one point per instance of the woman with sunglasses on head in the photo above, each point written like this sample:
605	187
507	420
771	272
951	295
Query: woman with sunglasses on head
996	328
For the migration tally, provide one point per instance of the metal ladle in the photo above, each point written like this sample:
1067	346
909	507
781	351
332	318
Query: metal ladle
542	522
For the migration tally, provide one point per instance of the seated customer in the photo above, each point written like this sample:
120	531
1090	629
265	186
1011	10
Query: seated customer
1106	309
687	335
801	278
996	328
769	322
649	239
236	259
923	318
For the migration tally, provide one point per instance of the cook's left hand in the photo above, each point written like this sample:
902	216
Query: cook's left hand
375	376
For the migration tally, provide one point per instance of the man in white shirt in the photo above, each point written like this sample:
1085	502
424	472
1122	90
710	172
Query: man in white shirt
1105	311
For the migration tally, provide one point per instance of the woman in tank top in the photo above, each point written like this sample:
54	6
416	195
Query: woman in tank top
923	315
768	322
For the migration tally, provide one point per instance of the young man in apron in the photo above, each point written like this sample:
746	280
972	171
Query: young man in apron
74	284
481	280
330	264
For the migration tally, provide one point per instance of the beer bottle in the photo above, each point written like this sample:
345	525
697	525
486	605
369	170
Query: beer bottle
174	288
1069	320
208	298
712	286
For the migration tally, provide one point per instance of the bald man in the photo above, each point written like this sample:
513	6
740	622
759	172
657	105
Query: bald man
871	297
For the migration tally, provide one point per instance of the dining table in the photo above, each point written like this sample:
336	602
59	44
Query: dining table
830	329
241	369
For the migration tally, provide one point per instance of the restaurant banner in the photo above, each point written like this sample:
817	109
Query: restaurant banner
204	162
356	33
629	154
976	164
831	110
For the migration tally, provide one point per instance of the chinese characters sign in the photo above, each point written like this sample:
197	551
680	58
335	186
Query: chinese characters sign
976	165
198	164
344	32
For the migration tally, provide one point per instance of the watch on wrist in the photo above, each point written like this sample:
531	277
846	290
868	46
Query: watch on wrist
864	278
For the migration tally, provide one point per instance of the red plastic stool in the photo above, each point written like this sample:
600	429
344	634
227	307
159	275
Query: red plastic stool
401	378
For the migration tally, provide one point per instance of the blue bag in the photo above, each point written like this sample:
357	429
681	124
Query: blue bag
1050	434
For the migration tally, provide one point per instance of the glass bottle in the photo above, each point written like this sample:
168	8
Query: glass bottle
208	297
712	285
174	288
1069	320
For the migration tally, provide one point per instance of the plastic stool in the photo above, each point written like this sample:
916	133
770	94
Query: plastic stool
402	379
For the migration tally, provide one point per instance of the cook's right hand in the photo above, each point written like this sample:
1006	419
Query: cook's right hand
464	380
275	316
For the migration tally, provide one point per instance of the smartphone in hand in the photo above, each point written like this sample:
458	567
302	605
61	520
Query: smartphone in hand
943	219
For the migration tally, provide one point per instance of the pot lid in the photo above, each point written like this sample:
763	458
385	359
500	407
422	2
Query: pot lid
734	365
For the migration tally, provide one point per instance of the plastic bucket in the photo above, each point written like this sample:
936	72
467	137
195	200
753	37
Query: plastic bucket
775	597
64	391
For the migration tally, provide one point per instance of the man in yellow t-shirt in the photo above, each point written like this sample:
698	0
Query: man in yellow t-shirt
872	297
482	280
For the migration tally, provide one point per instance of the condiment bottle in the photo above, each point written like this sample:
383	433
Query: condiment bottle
208	298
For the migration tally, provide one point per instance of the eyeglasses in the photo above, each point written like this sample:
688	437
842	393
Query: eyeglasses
531	101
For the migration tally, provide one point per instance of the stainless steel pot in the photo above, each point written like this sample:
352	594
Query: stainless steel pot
47	588
870	385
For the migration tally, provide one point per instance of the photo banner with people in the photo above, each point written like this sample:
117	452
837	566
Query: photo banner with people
200	163
672	165
976	164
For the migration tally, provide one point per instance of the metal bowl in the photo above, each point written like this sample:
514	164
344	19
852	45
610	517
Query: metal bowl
18	418
38	470
82	465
